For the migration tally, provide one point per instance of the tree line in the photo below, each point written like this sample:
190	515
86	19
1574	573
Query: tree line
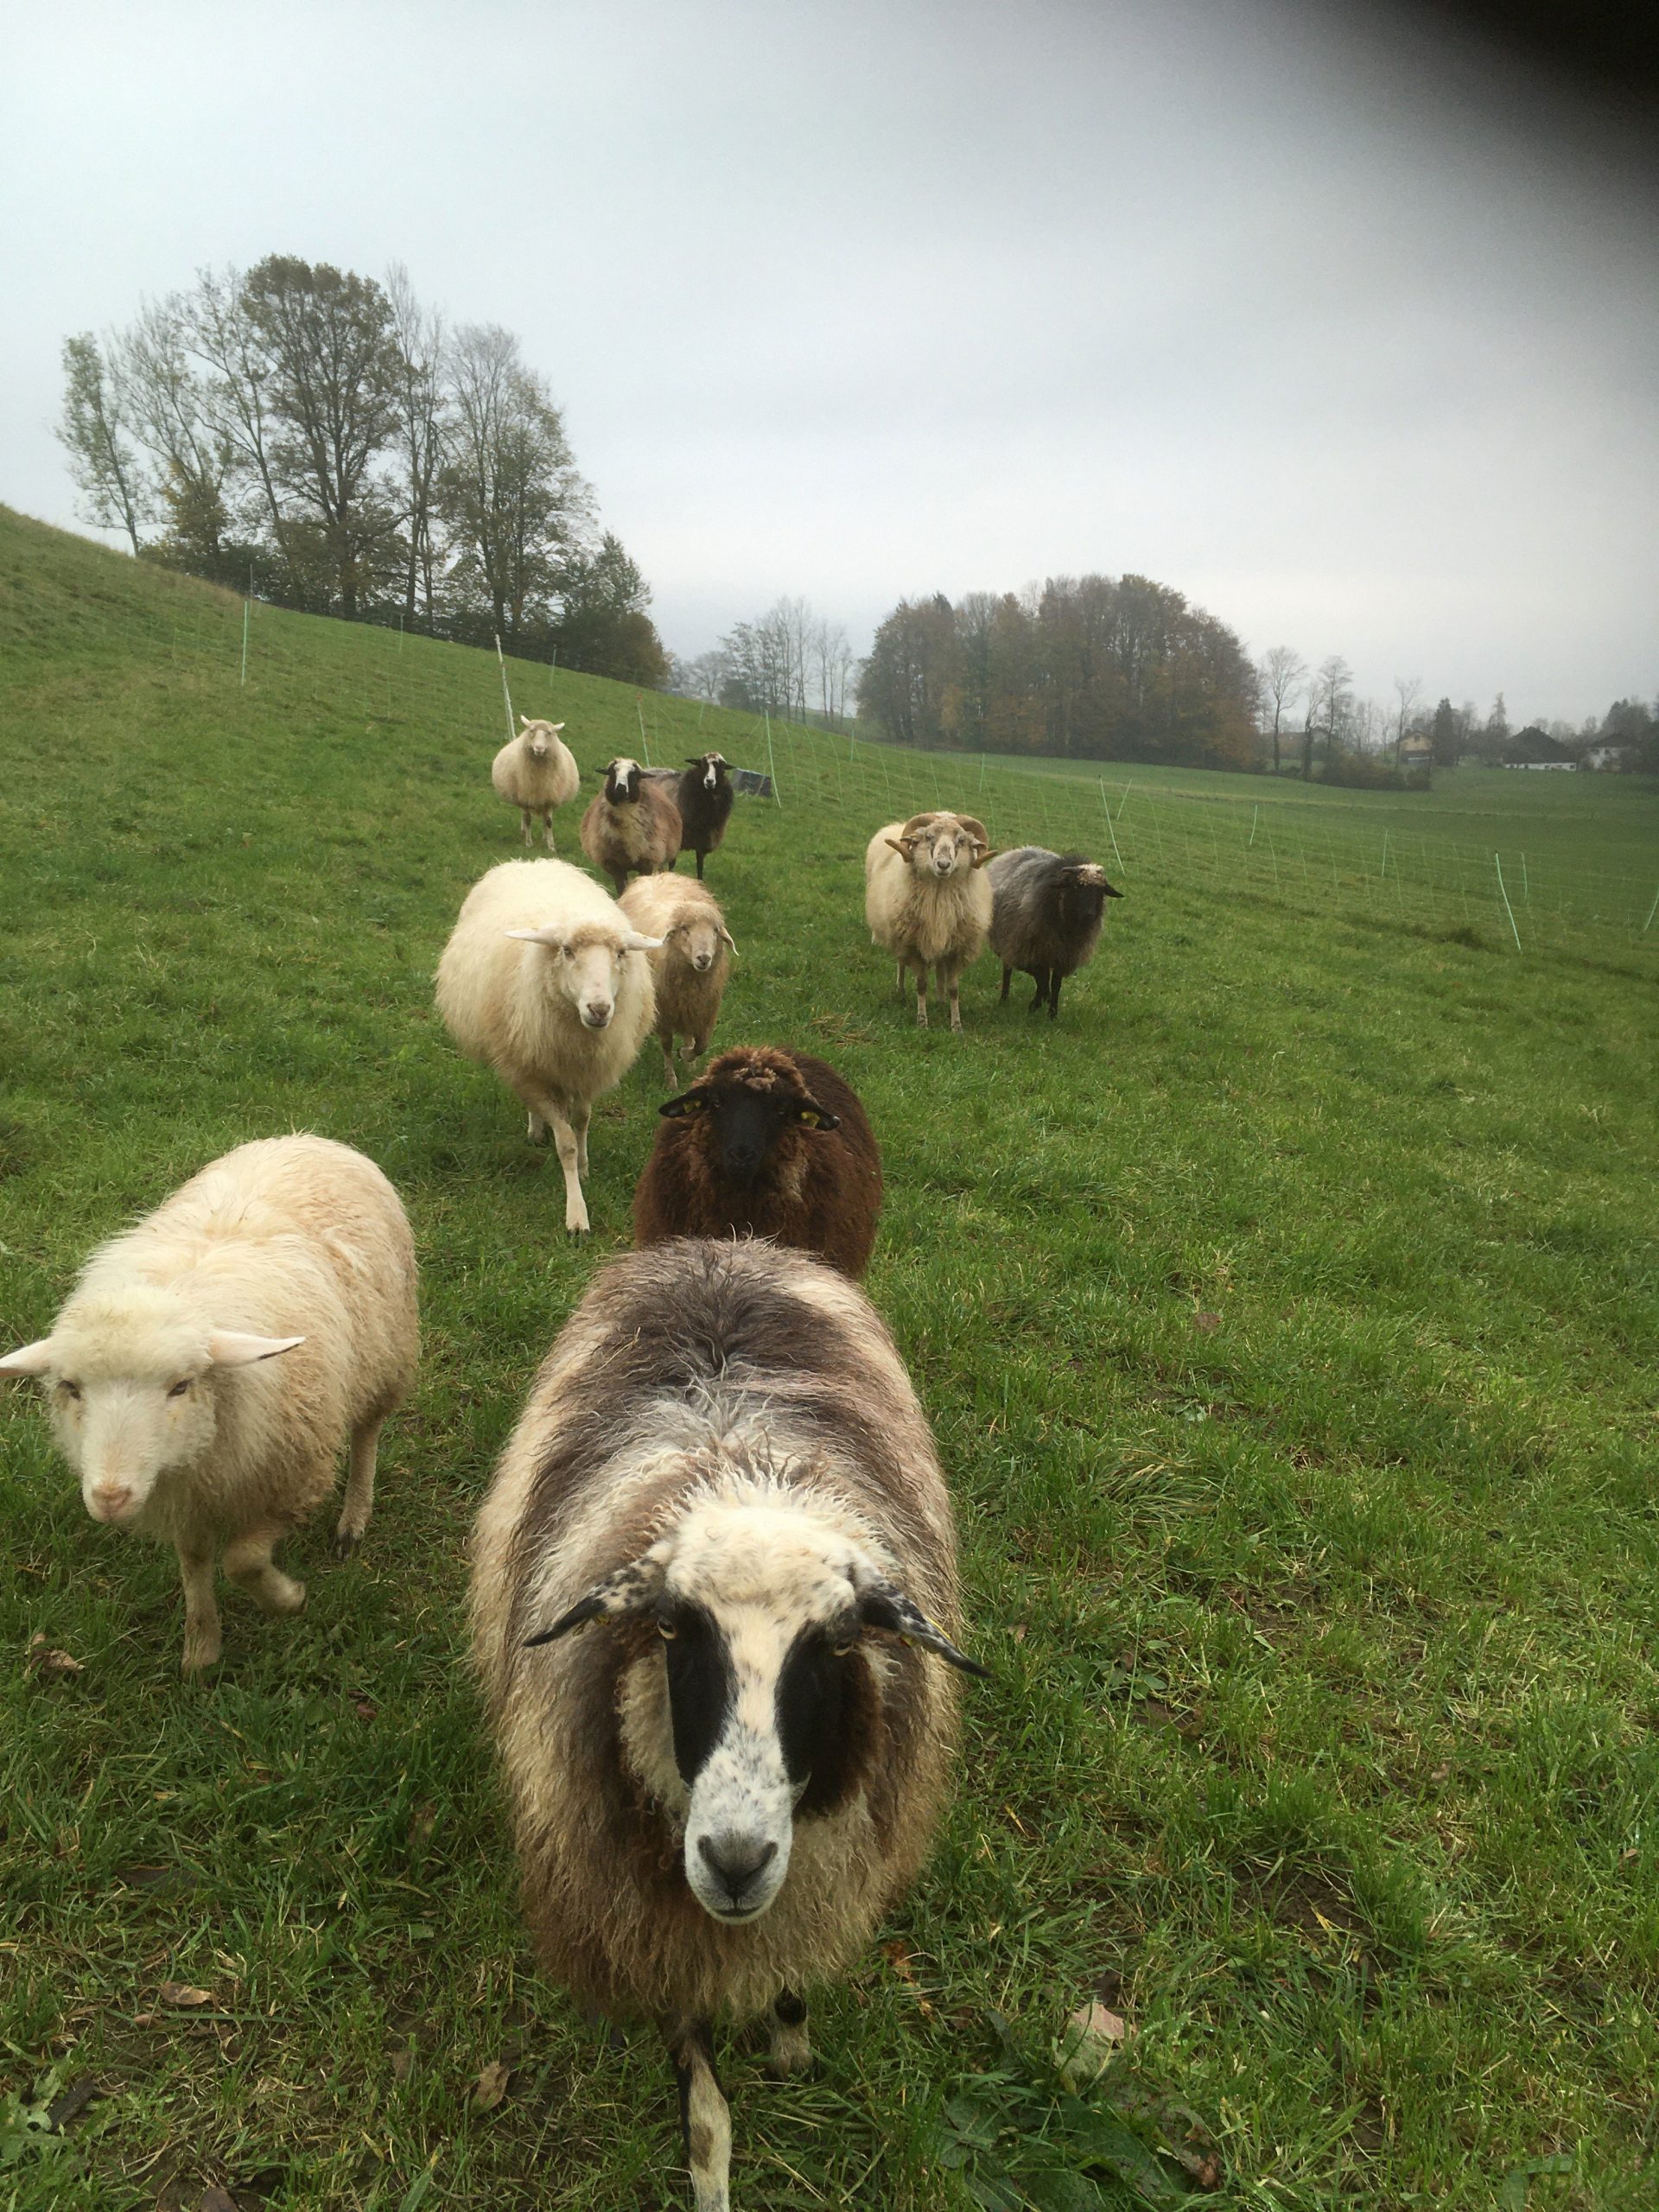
1093	667
330	442
789	662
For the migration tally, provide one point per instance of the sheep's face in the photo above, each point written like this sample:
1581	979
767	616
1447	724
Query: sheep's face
1084	892
540	738
129	1385
585	964
697	942
746	1124
765	1692
622	782
713	766
939	846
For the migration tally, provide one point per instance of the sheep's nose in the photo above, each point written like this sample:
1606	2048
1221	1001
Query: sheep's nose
108	1498
736	1861
596	1012
703	963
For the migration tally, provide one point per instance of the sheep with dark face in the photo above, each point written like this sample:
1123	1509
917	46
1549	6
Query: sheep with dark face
704	798
1046	917
769	1143
632	828
719	1789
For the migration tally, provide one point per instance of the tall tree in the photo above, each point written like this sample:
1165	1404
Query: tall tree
1282	671
603	627
335	375
417	435
1406	692
510	490
95	430
171	410
1329	700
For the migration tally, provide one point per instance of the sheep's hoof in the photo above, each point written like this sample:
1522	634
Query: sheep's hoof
791	2055
202	1651
346	1541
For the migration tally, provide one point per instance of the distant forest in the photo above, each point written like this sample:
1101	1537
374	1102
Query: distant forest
1092	667
336	443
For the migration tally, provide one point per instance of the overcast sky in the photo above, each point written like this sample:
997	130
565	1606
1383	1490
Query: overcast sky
1351	338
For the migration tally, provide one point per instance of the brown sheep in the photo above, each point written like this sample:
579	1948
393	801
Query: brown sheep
633	827
769	1143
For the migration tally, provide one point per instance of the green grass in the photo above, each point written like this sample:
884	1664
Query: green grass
1286	1313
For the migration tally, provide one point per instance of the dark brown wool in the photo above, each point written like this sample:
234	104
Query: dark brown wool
819	1188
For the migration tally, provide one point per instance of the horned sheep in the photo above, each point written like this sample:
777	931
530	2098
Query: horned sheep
691	970
703	796
545	980
210	1362
768	1143
719	1789
1046	917
632	828
927	901
536	771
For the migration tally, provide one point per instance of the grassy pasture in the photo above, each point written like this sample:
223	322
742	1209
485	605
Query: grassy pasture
1287	1313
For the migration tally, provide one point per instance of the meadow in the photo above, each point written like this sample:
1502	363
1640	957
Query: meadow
1285	1312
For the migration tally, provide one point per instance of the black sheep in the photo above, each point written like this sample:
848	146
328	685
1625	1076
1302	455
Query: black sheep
1046	918
703	796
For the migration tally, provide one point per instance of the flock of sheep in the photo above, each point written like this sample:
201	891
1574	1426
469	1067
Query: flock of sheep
722	1465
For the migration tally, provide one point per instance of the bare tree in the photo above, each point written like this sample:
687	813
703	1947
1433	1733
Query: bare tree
237	397
1407	689
1282	670
417	437
96	429
171	409
1330	696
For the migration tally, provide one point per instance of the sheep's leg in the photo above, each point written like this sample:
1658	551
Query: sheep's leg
547	829
951	984
699	864
904	978
1007	977
358	1502
921	994
247	1562
572	1150
524	811
201	1643
1053	992
792	2048
1039	976
580	1117
619	883
666	1040
705	2117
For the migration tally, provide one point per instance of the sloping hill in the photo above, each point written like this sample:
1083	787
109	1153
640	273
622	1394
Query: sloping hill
1285	1312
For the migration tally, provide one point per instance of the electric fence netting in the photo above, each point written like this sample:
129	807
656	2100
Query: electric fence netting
1310	854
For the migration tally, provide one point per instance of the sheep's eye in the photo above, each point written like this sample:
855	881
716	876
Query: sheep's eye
841	1650
69	1389
667	1631
179	1389
566	953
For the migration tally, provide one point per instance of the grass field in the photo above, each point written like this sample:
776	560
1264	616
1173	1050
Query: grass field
1287	1313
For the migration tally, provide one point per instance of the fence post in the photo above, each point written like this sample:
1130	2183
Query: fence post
1383	870
1111	832
1652	910
1508	909
1255	816
772	766
505	694
645	742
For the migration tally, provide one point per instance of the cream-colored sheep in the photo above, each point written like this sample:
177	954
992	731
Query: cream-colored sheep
209	1364
927	901
536	771
545	980
691	970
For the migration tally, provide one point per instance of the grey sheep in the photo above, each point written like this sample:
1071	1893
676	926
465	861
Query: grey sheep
1046	917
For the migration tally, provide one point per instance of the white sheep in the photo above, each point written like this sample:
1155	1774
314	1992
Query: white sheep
544	980
691	970
927	901
163	1378
536	771
719	1789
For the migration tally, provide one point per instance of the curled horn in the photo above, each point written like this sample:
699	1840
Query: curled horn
883	1606
629	1591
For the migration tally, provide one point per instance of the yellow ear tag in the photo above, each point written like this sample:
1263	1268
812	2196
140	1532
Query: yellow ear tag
811	1120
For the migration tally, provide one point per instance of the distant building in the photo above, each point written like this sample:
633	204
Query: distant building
1535	748
1416	751
1609	756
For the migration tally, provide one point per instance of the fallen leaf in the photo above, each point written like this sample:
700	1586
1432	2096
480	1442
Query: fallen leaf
365	1710
491	2086
1089	2041
215	2199
403	2063
45	1659
899	1959
1207	1322
181	1993
71	2103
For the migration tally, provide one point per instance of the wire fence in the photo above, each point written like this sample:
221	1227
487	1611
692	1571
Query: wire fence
1325	860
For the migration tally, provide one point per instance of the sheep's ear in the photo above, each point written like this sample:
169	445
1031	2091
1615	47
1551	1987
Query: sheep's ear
688	1102
27	1359
550	933
236	1348
811	1116
730	938
630	1590
555	727
1112	892
882	1605
632	942
694	759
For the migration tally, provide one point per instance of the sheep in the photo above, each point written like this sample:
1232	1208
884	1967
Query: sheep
632	827
544	980
704	798
717	1793
536	771
1046	917
205	1371
691	970
769	1143
926	900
